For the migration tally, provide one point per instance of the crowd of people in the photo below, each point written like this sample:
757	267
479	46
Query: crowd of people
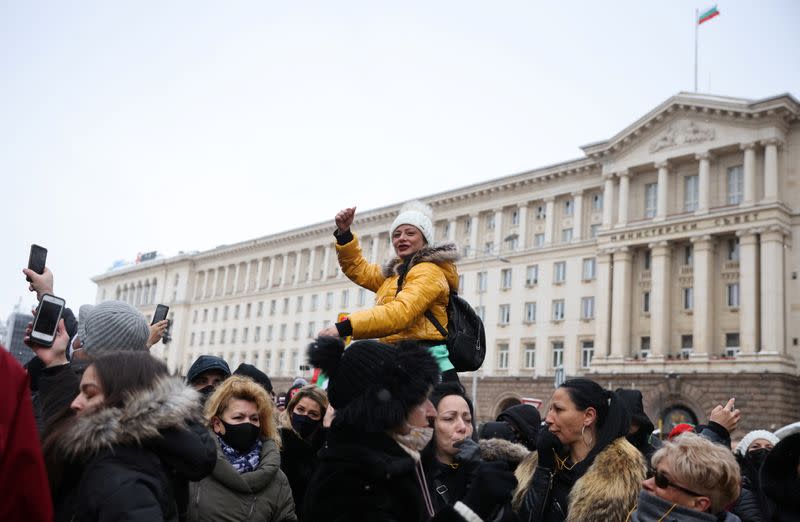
96	429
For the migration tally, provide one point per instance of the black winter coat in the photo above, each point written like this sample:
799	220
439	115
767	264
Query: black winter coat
298	462
780	482
134	464
366	477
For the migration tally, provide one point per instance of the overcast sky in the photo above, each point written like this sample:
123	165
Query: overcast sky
134	126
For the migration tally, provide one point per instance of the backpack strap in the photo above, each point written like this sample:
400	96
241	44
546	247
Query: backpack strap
428	313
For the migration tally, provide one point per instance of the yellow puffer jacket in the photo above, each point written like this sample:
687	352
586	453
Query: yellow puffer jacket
430	277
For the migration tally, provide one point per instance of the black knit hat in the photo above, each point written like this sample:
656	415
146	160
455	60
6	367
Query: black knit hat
372	385
248	370
526	420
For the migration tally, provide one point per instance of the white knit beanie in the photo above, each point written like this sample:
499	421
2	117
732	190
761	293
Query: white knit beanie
754	435
418	214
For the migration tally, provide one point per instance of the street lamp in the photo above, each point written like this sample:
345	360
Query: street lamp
481	291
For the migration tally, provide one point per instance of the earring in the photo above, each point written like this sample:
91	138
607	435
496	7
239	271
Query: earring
583	437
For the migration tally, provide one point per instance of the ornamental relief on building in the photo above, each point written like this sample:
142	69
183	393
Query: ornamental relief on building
682	134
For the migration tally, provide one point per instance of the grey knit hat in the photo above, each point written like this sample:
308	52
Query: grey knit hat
112	326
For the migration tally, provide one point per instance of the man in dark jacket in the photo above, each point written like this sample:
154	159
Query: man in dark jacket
641	426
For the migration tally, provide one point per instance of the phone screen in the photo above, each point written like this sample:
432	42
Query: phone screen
161	313
47	317
37	259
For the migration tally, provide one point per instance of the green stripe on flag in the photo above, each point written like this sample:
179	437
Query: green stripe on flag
708	15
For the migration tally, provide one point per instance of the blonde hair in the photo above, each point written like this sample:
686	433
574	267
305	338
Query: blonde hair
243	388
704	467
311	391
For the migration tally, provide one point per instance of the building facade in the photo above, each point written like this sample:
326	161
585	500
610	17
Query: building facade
663	259
14	333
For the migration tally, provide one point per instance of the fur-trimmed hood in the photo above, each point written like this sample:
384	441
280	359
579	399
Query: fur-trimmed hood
441	254
501	449
170	403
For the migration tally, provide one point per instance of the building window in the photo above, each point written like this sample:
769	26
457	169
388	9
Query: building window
538	240
688	298
504	314
541	212
558	310
733	295
191	340
732	344
296	332
272	306
281	361
512	243
647	259
257	334
467	225
568	207
505	278
532	275
214	315
594	230
236	311
558	354
260	309
222	336
465	251
285	309
650	199
194	317
587	354
362	295
559	272
481	312
202	338
488	248
735	185
646	302
345	298
299	306
502	356
690	191
245	331
328	300
233	336
530	312
687	344
597	201
282	335
247	310
688	255
733	249
490	222
589	268
446	229
482	280
225	310
312	330
205	315
566	235
530	356
269	333
587	308
515	217
644	347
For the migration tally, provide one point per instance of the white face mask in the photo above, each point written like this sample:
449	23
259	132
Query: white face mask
417	438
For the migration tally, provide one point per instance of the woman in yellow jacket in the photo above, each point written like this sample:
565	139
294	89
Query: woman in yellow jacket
418	279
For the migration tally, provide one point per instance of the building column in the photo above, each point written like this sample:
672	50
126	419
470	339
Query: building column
373	254
621	304
326	261
577	212
473	235
660	302
608	201
549	220
703	182
271	272
451	230
703	306
662	208
749	196
522	230
284	269
772	291
771	181
237	277
602	310
624	191
748	292
497	240
222	279
312	259
298	263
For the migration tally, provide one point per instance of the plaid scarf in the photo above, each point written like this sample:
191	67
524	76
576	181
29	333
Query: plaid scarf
242	462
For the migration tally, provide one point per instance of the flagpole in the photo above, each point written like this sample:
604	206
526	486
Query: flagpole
696	14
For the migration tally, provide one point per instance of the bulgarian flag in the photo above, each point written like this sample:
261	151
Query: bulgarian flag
707	15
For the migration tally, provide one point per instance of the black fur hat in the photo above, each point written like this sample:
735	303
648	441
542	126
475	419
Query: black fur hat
373	385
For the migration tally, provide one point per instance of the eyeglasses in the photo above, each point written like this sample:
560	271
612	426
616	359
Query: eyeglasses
662	481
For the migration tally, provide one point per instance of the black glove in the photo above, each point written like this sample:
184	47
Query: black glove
547	445
469	451
491	487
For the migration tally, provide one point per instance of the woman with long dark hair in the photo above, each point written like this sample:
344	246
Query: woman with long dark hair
584	468
129	444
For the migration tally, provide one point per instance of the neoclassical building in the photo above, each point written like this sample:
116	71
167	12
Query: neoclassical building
663	259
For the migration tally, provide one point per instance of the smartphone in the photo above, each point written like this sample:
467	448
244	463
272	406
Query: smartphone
160	314
37	260
46	321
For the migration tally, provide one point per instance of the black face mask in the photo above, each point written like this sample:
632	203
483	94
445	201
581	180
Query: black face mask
205	393
757	457
304	425
241	437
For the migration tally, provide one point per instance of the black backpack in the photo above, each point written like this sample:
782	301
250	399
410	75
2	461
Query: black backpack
466	338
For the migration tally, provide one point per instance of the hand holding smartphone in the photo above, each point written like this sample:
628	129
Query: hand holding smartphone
45	323
160	313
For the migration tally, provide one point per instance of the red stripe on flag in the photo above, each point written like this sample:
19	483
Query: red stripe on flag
707	18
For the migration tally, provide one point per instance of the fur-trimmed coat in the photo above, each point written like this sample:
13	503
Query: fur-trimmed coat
399	316
136	460
607	492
